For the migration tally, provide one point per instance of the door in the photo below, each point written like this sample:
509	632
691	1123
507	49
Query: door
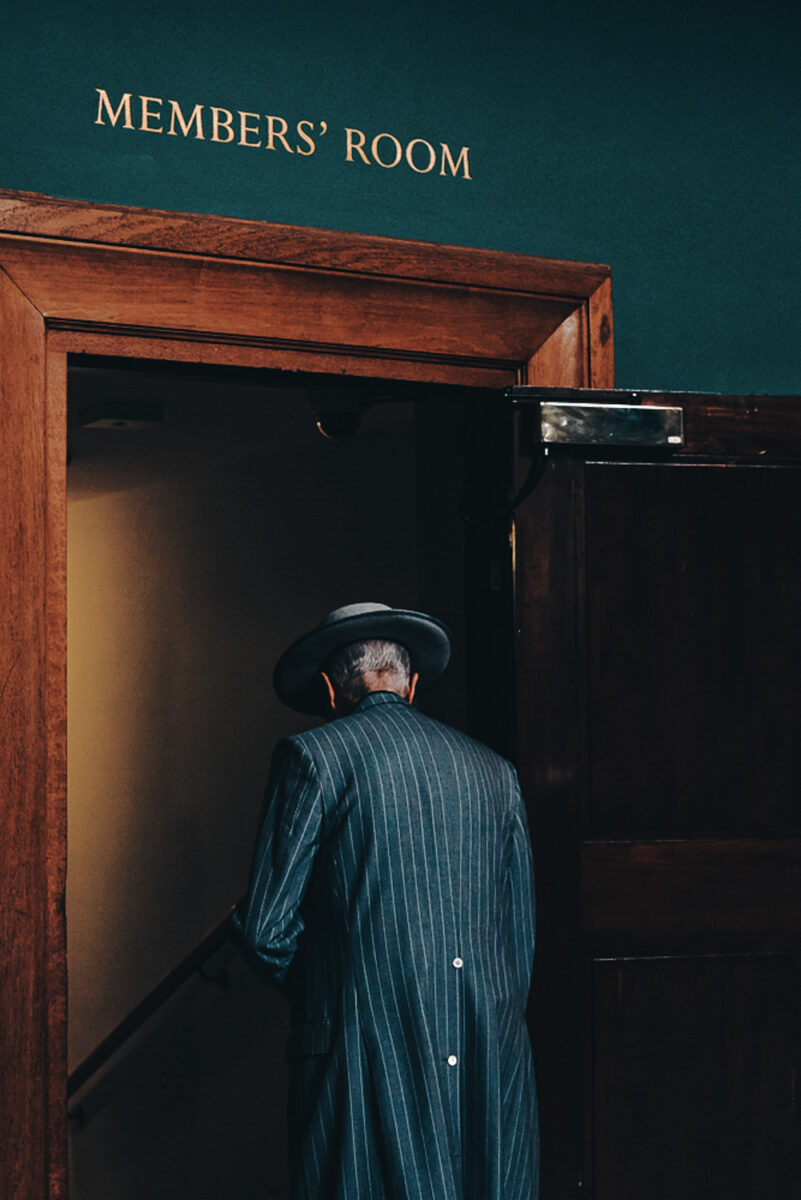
658	647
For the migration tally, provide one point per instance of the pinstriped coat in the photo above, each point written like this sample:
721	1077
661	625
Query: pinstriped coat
391	897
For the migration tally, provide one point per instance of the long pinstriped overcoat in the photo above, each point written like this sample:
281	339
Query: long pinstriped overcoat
391	897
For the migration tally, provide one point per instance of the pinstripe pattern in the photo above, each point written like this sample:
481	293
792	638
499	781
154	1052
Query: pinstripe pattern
391	846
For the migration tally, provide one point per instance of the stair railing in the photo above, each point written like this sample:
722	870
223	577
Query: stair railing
158	995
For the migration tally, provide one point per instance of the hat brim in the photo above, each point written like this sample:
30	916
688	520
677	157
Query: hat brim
297	673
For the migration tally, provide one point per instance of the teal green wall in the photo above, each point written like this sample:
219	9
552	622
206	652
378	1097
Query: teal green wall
662	138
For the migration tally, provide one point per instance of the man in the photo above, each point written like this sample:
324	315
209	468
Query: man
391	897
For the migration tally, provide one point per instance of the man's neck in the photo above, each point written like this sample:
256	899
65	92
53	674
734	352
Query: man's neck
344	710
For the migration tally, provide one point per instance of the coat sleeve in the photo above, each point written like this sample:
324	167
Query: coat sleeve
521	914
267	923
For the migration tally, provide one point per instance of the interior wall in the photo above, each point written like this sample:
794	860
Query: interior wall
197	550
660	138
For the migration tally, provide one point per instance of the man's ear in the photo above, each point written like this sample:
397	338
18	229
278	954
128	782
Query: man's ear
332	699
412	688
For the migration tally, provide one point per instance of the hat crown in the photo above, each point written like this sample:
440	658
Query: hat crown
297	672
353	610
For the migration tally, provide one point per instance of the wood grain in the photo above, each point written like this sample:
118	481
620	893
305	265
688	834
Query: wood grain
282	308
261	354
314	249
311	299
742	425
695	649
25	1032
693	888
696	1078
55	719
551	761
602	342
563	355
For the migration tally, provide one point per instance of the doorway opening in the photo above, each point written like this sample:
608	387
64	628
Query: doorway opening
214	515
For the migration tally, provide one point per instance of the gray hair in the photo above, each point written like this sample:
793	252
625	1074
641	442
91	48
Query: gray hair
346	668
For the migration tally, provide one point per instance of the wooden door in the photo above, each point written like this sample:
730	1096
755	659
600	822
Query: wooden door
658	663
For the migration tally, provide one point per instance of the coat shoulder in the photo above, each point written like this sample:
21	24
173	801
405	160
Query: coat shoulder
469	746
399	725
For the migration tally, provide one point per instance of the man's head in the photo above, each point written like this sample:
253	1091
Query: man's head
373	665
305	679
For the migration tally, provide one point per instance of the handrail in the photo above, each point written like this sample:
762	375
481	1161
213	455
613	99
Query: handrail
158	995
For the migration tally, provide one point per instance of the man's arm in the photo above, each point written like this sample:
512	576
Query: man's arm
268	922
521	900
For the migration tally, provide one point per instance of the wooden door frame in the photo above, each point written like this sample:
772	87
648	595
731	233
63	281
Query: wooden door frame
99	279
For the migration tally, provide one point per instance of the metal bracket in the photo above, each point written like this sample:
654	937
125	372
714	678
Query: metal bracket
610	425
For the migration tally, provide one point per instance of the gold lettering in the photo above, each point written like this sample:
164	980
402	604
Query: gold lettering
196	118
147	115
221	118
123	106
462	160
309	141
280	133
432	156
245	129
375	154
358	146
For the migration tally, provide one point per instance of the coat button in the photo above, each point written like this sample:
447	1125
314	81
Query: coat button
452	1060
457	962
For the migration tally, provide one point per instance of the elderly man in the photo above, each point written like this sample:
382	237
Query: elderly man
391	898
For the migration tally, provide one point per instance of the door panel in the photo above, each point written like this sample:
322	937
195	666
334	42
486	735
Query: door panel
693	587
658	690
685	1047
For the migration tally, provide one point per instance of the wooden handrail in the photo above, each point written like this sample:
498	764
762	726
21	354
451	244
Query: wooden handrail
150	1003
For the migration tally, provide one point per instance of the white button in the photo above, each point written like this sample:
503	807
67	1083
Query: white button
452	1060
457	962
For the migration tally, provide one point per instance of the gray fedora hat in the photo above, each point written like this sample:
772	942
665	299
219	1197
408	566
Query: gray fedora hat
297	673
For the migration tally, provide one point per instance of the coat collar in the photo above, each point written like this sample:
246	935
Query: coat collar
373	698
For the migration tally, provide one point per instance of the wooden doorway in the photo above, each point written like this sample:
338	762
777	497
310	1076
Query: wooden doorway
82	279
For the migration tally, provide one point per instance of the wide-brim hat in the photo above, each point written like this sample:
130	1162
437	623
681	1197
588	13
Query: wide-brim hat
297	673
